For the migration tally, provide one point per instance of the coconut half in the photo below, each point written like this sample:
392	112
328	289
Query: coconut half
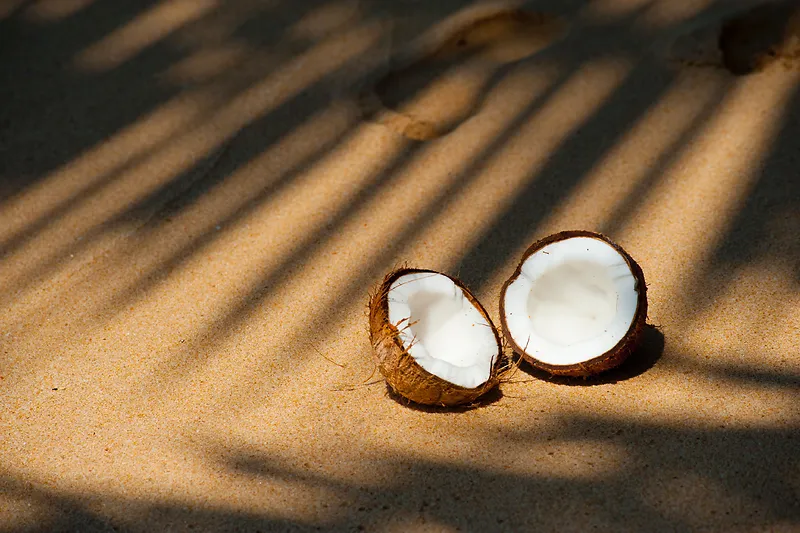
433	341
576	304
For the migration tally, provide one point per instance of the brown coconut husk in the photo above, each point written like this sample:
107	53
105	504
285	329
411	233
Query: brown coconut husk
402	373
613	357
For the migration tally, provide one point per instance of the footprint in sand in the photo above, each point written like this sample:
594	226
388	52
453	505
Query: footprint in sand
747	42
439	90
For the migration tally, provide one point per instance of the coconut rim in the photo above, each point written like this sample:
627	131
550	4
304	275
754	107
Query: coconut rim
608	359
379	312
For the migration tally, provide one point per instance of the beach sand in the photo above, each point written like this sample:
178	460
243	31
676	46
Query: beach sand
197	196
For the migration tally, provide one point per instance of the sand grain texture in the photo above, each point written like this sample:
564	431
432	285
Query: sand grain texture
193	208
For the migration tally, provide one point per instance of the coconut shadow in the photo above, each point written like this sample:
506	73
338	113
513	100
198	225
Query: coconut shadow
640	361
491	397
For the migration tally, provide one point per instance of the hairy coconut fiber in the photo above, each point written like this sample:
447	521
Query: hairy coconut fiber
600	363
402	373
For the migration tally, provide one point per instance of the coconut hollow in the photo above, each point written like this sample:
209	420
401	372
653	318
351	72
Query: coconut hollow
576	304
397	345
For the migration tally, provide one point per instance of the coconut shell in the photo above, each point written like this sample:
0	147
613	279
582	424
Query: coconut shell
613	357
401	371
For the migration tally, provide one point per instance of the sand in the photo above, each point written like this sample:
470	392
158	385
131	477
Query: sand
196	197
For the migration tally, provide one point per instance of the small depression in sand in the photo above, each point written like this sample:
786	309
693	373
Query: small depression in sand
747	42
434	94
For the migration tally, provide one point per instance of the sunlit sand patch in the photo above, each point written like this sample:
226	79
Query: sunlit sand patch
147	29
55	10
757	307
445	85
293	155
608	10
89	219
215	268
199	299
134	141
208	63
670	13
649	14
60	206
693	394
149	470
711	179
499	174
327	18
313	183
403	524
496	182
744	43
658	136
196	306
304	285
351	249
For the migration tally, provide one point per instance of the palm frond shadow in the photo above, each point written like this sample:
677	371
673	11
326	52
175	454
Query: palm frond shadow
740	474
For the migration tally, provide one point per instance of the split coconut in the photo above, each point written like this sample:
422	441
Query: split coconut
433	341
576	304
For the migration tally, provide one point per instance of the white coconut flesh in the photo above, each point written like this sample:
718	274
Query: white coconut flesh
573	301
441	329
